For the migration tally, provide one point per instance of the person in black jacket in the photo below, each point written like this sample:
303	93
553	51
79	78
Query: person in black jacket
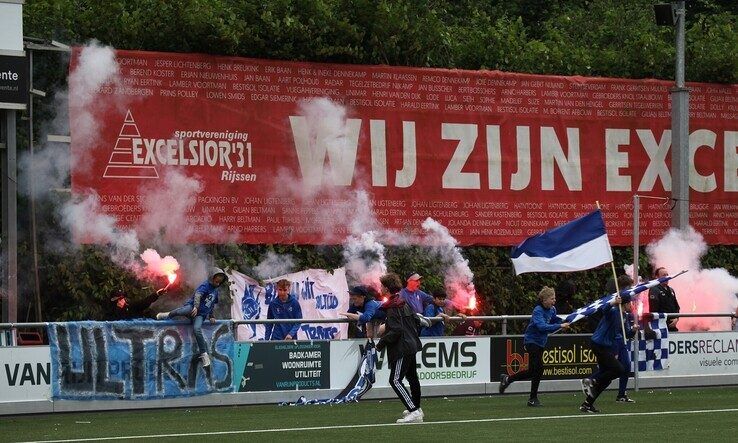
662	298
402	343
123	308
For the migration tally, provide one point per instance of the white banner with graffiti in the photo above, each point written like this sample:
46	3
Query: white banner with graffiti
321	294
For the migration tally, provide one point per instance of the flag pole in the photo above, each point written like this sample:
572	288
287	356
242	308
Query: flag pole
617	289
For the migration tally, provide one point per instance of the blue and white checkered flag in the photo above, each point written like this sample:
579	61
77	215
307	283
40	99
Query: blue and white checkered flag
594	306
588	310
653	354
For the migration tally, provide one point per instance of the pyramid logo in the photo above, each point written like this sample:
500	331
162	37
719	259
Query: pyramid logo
121	164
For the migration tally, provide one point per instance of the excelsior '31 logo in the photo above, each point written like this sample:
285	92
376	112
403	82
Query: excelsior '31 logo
228	151
121	163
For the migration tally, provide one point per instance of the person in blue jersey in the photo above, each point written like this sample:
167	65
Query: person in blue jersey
543	321
438	308
413	295
284	305
604	344
200	307
364	310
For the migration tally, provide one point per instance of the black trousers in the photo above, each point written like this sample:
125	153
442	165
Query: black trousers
534	371
405	367
610	369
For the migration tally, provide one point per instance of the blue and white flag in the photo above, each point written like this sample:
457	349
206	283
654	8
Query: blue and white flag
653	347
588	310
632	291
578	245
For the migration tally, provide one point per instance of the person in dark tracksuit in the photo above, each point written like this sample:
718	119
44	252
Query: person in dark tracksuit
402	343
605	347
543	321
624	282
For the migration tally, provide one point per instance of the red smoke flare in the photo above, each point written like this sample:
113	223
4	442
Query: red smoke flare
473	302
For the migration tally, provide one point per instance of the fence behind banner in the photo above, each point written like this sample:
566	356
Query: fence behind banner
272	372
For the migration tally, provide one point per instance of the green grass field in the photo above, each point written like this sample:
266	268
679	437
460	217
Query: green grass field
706	414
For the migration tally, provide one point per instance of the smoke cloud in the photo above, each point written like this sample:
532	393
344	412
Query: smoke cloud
157	265
165	204
330	134
165	207
364	258
273	265
699	290
86	222
458	277
96	68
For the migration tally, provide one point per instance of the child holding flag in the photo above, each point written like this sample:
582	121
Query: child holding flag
543	321
605	347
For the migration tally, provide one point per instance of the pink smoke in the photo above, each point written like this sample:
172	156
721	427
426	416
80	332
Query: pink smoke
159	266
699	290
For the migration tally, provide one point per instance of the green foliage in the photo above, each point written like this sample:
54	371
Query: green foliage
610	38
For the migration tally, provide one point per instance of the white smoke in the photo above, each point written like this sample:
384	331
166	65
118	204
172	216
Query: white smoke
273	265
343	211
195	263
96	67
85	221
50	166
699	290
364	258
458	277
324	124
165	207
331	135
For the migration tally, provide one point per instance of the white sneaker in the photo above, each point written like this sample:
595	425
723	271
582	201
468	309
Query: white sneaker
162	316
415	416
205	359
406	412
588	387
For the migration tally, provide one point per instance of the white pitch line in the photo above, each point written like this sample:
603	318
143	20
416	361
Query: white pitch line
378	425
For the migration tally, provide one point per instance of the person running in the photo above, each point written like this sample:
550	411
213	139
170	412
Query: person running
624	282
543	321
402	343
604	346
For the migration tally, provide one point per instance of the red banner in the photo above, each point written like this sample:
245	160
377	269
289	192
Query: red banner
493	156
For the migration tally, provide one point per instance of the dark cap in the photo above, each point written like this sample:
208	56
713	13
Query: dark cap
439	294
414	276
359	290
117	295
